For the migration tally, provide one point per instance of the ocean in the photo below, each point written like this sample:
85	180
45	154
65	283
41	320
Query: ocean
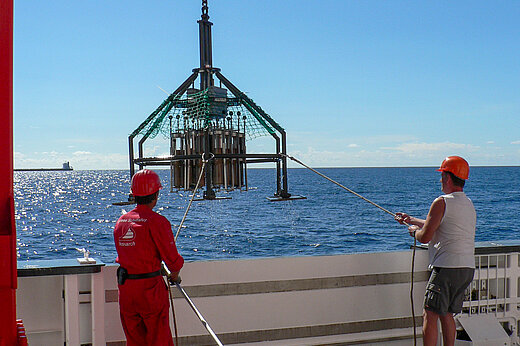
58	213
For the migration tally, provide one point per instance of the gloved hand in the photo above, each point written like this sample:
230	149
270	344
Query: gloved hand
174	278
171	277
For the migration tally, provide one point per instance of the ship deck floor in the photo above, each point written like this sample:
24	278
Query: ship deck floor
396	337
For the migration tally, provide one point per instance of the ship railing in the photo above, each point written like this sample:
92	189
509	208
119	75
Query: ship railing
495	290
353	298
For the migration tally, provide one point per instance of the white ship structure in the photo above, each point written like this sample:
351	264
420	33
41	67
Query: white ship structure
320	300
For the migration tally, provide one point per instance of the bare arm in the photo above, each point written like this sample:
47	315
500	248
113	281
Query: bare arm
425	232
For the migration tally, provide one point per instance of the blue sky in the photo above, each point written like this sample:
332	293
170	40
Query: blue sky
354	83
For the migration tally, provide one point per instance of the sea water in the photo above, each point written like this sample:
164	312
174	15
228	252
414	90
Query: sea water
58	213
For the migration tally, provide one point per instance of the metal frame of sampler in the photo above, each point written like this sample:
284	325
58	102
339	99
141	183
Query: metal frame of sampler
207	126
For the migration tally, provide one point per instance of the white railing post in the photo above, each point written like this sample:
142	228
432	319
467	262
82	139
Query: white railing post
514	273
98	308
71	310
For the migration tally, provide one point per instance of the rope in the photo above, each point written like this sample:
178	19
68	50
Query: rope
173	313
194	308
411	290
343	187
386	211
194	191
199	315
168	274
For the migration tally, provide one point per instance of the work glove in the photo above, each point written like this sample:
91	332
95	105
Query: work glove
171	277
174	279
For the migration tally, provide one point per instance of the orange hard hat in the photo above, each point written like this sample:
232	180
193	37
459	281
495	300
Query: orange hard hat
456	165
145	182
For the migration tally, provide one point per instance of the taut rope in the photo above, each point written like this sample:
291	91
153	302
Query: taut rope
386	211
204	161
194	308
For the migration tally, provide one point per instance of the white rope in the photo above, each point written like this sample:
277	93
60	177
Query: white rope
194	191
199	315
386	211
343	187
411	290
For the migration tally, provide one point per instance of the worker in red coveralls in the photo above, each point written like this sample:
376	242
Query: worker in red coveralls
143	239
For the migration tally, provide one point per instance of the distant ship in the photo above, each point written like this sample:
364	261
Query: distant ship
65	167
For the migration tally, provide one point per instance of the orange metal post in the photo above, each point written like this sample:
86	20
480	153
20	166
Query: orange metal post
7	225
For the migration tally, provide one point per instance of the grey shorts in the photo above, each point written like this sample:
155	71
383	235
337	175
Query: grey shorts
445	289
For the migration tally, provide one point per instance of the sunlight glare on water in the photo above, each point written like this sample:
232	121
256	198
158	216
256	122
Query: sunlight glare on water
60	212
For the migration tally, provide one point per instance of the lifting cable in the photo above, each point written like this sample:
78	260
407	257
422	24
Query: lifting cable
204	162
386	211
168	273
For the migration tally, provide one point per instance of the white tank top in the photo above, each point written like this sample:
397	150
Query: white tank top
453	243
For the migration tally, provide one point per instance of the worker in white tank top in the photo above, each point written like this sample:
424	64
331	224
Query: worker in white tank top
449	230
453	243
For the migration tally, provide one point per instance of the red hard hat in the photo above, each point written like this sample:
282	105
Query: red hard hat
456	165
145	182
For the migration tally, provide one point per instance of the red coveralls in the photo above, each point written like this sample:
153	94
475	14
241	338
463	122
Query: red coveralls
143	238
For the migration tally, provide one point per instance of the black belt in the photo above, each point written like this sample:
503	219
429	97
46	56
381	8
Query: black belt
143	276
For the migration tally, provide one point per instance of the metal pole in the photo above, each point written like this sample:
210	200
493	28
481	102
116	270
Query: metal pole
199	315
278	170
131	155
8	274
140	150
206	60
172	153
209	193
225	151
186	162
284	193
233	166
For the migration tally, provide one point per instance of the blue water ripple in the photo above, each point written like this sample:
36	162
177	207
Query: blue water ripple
60	212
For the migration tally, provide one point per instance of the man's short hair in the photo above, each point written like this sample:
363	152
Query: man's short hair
146	199
456	181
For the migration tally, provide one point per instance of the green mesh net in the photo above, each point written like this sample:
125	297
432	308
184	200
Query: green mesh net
197	110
